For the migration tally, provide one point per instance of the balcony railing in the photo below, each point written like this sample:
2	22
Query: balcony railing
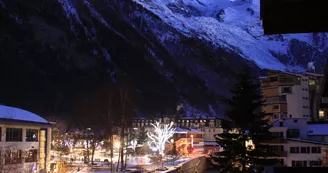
274	141
281	153
281	81
275	100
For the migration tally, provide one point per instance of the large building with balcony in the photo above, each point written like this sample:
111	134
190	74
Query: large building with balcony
24	142
209	125
291	95
293	144
202	129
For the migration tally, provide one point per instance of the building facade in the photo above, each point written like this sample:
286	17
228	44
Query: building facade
208	125
196	131
323	107
291	95
293	144
25	141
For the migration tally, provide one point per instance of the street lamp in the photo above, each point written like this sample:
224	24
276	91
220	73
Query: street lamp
117	144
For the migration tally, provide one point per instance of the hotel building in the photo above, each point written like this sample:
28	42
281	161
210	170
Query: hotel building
24	142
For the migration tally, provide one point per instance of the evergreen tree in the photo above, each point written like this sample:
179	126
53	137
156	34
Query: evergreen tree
249	124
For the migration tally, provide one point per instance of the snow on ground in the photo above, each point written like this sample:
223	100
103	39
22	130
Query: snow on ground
240	31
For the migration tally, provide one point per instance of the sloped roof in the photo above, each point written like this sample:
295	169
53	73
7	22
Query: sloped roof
307	141
185	130
12	113
317	129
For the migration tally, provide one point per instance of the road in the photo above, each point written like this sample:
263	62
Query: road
212	171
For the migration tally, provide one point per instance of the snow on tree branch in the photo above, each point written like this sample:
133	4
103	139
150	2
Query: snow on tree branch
161	135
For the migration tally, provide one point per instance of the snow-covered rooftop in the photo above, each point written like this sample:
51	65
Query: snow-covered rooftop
318	129
185	130
211	143
181	130
307	141
8	112
198	117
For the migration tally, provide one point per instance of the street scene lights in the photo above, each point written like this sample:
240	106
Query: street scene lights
192	141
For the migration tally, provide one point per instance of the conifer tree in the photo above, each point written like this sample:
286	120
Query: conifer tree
249	124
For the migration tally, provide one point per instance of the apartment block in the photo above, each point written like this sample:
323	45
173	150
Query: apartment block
295	143
291	95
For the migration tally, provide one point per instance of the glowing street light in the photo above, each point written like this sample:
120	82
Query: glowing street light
117	144
192	141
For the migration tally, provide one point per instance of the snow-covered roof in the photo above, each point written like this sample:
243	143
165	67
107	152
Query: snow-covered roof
317	129
8	112
287	73
211	143
307	141
181	130
185	130
197	117
313	74
195	131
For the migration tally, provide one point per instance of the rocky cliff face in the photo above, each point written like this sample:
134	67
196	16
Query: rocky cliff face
54	49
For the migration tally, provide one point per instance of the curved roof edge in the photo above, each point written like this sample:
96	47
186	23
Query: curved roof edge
12	113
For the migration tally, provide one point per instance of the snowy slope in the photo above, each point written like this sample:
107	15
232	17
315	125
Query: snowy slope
239	31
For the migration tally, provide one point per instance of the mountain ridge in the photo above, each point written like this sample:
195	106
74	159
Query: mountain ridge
59	48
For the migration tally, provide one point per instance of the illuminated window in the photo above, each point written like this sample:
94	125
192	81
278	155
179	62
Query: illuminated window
311	82
321	114
31	155
32	135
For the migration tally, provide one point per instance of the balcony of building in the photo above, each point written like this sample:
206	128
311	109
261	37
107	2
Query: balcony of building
281	153
280	80
273	100
274	140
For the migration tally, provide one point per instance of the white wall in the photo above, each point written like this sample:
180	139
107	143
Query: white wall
22	145
301	156
301	124
296	100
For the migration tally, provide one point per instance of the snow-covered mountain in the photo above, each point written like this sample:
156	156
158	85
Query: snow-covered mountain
235	25
193	49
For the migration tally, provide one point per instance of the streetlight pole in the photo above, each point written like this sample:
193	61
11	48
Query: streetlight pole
88	154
